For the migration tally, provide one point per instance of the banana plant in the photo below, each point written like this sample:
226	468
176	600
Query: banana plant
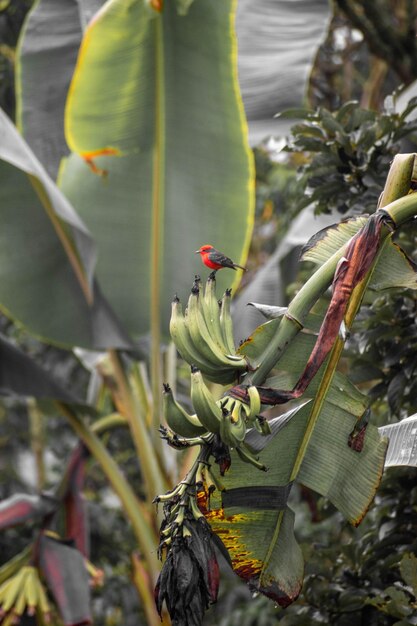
325	440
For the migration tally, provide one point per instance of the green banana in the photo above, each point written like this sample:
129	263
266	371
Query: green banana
208	411
211	311
181	338
202	340
233	425
226	323
254	407
177	418
249	457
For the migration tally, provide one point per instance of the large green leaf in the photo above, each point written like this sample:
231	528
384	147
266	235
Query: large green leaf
161	89
48	48
47	255
310	445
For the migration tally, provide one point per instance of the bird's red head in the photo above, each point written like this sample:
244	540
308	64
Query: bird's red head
204	249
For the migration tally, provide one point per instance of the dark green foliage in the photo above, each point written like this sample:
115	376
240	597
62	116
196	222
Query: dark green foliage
347	155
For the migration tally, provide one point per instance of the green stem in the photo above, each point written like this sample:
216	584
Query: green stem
108	421
157	224
134	509
37	440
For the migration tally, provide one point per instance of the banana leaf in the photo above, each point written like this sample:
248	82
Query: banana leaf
402	446
393	269
47	256
312	446
47	54
278	42
22	376
158	94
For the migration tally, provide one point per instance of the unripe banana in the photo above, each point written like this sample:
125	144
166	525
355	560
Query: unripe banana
248	457
208	411
254	402
211	310
181	338
177	418
202	340
226	323
233	426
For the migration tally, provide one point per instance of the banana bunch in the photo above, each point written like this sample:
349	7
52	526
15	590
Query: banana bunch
177	417
24	592
227	417
203	335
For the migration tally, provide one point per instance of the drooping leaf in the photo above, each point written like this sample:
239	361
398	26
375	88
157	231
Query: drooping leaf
22	508
332	468
325	444
402	446
47	255
183	172
66	576
22	376
275	568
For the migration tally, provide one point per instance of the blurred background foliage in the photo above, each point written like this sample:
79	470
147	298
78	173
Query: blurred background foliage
337	158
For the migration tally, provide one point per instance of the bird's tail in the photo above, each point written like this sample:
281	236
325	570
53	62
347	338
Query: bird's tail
235	265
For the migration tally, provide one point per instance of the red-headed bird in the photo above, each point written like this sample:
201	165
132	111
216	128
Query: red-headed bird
215	260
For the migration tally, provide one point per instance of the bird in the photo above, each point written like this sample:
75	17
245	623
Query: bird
216	260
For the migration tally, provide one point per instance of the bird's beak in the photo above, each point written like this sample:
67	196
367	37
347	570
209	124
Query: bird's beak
197	252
